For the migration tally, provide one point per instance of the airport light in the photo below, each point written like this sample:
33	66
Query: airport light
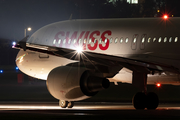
158	85
13	44
27	29
1	71
165	17
17	68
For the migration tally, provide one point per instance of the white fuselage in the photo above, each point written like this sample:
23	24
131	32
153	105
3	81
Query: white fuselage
151	40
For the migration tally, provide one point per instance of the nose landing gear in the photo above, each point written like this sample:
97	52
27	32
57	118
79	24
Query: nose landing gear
66	104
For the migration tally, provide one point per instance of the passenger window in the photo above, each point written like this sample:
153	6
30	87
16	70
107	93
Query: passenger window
84	40
165	39
121	40
79	41
134	40
143	40
116	40
90	40
100	40
160	39
69	41
105	40
95	41
127	40
54	42
154	39
64	42
74	41
170	39
149	40
176	39
111	40
59	41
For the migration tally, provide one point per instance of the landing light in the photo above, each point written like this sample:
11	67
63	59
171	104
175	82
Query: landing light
13	44
79	49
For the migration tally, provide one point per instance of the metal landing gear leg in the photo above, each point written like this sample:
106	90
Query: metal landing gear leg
66	104
143	100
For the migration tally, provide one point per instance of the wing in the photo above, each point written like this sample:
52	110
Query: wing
98	58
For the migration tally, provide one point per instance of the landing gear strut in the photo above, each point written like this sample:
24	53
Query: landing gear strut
143	100
66	104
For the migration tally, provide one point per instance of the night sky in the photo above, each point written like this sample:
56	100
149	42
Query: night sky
16	15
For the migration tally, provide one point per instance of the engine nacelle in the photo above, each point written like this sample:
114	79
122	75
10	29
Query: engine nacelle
74	83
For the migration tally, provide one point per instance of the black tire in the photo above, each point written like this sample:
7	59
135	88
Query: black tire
139	101
152	101
70	104
63	103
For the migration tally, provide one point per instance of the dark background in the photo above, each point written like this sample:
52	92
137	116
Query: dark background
17	15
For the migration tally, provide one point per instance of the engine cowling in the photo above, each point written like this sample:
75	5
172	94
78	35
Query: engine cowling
74	83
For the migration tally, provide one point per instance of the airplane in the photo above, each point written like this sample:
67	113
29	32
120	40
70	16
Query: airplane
78	58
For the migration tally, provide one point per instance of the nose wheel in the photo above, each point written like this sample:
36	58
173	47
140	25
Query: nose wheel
142	101
66	104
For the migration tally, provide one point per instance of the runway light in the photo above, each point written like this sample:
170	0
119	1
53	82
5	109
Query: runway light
1	71
158	84
17	68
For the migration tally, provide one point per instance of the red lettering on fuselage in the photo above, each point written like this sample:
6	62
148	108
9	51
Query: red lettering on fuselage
62	33
85	39
105	40
91	39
